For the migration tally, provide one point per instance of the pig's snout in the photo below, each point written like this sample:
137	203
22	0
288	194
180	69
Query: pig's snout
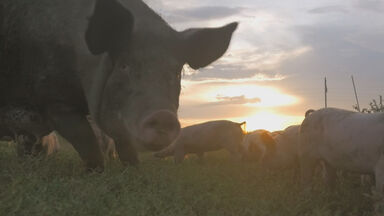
159	129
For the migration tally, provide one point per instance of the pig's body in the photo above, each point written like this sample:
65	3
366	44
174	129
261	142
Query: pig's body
344	140
287	143
205	137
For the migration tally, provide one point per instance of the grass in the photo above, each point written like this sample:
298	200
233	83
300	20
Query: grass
58	185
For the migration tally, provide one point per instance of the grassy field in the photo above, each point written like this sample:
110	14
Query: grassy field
57	185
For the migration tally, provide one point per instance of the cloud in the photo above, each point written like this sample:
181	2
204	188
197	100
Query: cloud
350	47
259	77
214	112
227	100
241	64
371	5
328	9
201	13
338	51
371	40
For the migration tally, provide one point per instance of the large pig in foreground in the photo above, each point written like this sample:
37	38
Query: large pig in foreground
205	137
116	60
344	140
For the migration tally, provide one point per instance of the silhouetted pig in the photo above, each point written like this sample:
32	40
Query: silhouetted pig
205	137
116	60
286	149
256	145
277	150
344	140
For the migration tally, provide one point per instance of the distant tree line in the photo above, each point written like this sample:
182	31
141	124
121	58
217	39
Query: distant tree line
374	106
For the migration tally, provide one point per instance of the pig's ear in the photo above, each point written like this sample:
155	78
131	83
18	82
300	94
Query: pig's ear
269	142
109	27
202	46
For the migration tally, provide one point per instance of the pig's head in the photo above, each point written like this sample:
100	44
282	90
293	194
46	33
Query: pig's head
144	60
261	147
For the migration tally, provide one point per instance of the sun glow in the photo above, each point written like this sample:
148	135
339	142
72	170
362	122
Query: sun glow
269	121
256	104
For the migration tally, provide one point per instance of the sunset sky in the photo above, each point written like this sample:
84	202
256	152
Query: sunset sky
275	67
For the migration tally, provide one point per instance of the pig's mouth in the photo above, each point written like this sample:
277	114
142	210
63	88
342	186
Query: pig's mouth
156	131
